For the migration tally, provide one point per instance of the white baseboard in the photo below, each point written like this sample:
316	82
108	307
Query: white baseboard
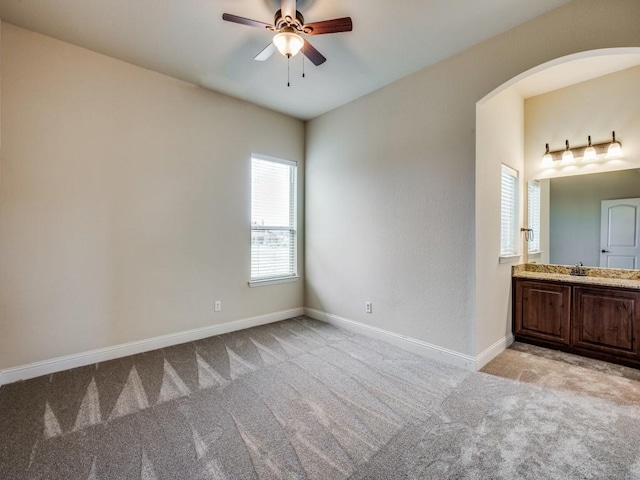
407	343
493	351
428	350
413	345
45	367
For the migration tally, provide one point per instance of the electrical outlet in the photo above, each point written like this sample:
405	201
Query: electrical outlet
368	307
217	306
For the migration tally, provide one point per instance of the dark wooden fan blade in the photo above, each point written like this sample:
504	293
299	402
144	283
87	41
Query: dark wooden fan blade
288	8
245	21
312	54
329	26
266	53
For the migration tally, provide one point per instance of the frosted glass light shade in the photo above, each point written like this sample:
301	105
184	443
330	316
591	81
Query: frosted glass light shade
590	154
614	150
567	156
288	43
547	159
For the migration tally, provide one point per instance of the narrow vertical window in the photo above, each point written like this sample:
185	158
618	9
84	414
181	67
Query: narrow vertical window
273	219
509	212
533	216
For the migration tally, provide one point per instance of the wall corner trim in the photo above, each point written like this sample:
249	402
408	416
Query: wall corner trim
413	345
45	367
493	351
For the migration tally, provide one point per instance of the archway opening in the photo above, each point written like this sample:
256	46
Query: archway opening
501	139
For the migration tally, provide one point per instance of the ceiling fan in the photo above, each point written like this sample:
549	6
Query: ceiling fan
289	25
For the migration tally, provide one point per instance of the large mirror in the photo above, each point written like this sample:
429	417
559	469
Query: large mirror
574	225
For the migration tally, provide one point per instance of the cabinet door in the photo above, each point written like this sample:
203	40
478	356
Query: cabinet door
543	311
606	320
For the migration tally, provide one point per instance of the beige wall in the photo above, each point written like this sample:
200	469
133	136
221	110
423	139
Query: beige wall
595	107
124	195
499	140
389	209
124	202
391	203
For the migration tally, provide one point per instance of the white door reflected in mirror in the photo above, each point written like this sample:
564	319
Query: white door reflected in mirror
619	233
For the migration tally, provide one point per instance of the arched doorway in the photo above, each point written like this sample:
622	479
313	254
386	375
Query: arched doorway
500	138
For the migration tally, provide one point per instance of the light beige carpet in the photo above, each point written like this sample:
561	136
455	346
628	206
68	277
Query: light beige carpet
300	399
566	372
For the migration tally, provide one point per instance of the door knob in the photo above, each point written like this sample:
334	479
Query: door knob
605	251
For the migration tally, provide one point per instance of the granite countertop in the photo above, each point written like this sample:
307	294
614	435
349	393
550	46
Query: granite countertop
608	277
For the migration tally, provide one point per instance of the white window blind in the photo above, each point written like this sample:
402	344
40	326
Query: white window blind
509	212
273	218
533	214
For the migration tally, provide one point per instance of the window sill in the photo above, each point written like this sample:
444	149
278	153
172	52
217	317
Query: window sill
272	281
510	258
537	253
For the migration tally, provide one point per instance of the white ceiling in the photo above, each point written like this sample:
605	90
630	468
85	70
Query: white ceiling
188	39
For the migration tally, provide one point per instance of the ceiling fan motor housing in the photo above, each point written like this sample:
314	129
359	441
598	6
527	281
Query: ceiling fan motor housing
296	24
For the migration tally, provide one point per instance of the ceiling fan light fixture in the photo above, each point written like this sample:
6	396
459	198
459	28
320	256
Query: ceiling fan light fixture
288	43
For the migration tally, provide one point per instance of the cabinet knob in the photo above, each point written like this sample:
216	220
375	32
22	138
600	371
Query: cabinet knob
605	251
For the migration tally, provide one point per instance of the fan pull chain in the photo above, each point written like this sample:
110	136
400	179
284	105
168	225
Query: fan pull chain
303	60
288	69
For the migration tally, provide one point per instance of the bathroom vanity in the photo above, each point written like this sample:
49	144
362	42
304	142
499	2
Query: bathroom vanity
593	312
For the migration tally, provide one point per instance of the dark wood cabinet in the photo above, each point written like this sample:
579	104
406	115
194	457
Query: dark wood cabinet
606	320
544	311
595	321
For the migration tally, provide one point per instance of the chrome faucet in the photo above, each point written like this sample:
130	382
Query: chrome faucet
579	270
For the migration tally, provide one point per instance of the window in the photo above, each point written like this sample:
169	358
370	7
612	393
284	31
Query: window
273	219
533	215
509	212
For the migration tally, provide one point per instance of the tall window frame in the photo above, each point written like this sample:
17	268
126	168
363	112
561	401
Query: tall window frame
274	219
533	216
509	202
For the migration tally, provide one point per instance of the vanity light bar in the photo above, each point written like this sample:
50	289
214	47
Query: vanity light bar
610	149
